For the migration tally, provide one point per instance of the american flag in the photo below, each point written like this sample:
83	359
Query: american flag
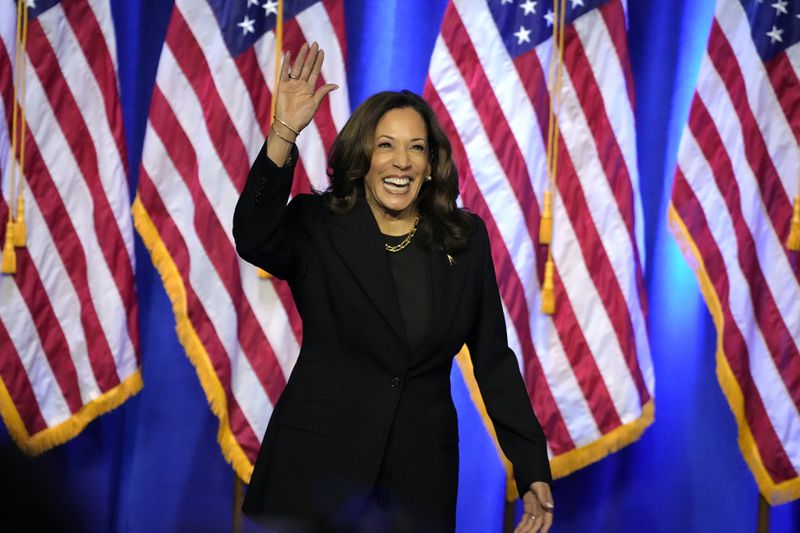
738	170
68	317
588	366
209	116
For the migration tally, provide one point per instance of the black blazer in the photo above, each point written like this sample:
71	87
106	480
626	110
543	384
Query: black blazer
357	390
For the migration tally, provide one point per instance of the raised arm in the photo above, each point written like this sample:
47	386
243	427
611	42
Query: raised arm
263	226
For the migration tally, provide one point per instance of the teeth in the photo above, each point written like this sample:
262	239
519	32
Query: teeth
400	182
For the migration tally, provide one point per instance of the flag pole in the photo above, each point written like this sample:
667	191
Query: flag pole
238	498
763	514
509	513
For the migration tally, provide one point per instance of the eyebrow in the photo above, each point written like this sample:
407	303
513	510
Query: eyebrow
414	139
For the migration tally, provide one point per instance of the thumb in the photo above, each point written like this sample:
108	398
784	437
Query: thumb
323	91
542	492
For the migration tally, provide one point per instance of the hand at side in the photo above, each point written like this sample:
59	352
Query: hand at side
538	509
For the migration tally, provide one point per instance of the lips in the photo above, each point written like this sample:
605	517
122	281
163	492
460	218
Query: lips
397	183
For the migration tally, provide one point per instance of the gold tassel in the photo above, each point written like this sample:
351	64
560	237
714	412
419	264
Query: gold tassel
8	265
20	229
263	274
546	223
793	241
548	289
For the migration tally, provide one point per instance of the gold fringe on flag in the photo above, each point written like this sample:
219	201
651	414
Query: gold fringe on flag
263	274
555	77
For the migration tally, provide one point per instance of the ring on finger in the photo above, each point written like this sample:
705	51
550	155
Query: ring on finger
531	517
294	77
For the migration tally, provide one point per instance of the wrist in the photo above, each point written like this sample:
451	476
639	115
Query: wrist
284	135
285	125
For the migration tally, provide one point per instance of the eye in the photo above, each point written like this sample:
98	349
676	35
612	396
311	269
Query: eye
418	147
384	144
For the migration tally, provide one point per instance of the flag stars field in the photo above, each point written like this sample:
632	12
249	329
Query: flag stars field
247	25
780	8
529	7
775	35
270	8
523	35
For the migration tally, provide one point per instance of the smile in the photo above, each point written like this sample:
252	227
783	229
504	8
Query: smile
397	183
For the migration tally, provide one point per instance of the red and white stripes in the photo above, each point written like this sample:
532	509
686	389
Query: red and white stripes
731	202
209	117
587	367
68	317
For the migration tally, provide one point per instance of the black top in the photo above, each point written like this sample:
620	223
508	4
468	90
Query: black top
411	273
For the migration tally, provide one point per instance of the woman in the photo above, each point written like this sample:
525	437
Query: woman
390	279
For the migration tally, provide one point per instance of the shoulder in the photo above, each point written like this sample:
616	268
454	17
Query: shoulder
305	204
305	209
479	235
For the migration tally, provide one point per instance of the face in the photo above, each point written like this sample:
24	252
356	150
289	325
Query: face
399	164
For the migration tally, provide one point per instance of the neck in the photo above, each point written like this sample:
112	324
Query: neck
394	223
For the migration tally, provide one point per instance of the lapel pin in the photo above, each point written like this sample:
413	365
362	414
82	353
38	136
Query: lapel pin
451	260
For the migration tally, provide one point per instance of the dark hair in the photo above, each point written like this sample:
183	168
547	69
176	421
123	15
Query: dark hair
442	225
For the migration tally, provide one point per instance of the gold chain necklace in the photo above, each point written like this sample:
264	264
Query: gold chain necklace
397	247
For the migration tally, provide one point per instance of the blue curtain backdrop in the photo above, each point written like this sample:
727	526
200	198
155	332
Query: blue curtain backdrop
154	463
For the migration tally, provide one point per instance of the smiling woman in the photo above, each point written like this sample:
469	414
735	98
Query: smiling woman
391	279
394	154
399	166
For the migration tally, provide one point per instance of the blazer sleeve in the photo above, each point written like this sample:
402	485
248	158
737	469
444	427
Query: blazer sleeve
499	380
268	232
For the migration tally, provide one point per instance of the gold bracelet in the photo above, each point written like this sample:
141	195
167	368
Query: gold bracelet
285	124
280	136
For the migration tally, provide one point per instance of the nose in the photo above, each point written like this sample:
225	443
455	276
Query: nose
401	159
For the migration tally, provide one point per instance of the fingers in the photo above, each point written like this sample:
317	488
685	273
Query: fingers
316	67
297	68
530	523
323	91
308	64
532	515
538	510
543	495
547	521
544	499
287	57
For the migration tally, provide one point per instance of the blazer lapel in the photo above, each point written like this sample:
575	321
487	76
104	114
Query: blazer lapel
358	241
447	284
